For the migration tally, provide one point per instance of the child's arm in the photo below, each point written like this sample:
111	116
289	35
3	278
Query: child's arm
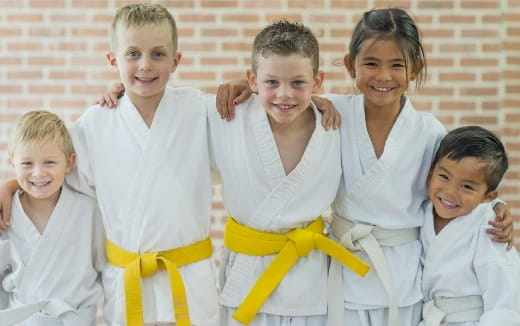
503	225
7	189
498	276
237	91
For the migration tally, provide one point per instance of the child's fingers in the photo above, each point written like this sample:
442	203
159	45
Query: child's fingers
327	117
5	217
222	100
113	100
337	119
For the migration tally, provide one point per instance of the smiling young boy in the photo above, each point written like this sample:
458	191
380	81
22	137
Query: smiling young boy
53	252
467	279
274	158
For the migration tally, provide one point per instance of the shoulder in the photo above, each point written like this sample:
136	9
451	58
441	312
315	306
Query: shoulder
80	200
345	103
185	92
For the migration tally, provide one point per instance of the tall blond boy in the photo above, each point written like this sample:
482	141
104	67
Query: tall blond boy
53	253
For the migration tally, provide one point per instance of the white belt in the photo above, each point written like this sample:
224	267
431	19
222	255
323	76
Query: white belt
369	238
441	311
53	308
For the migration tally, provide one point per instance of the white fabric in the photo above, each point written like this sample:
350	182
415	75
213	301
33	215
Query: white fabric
387	192
153	187
409	316
458	309
370	239
461	260
262	319
42	286
259	195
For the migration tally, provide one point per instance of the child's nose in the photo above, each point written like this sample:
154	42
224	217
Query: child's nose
144	63
383	74
285	91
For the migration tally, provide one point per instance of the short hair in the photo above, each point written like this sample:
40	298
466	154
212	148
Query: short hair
141	14
38	127
477	142
286	38
392	24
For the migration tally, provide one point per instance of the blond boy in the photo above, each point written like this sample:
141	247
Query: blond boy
53	252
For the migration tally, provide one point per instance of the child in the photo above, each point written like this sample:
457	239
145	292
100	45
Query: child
53	252
271	158
386	149
147	163
467	279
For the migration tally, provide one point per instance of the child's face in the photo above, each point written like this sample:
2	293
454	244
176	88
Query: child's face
380	73
145	59
285	85
40	169
456	188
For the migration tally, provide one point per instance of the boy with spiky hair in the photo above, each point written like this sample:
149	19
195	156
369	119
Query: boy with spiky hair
467	279
272	159
52	255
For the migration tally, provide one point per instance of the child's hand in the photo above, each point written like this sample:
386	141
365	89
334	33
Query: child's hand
110	98
504	222
331	116
230	94
7	189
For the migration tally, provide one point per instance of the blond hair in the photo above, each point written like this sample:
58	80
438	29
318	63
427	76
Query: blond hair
38	127
141	14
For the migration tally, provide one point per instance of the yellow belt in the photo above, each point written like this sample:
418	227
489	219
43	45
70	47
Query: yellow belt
289	247
146	264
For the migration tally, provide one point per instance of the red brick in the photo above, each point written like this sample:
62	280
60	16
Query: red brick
10	89
69	104
25	104
68	46
435	33
459	19
218	4
88	89
6	32
197	18
197	75
47	3
90	32
204	47
19	74
457	76
470	48
24	18
47	32
473	5
457	105
281	16
479	120
219	32
89	3
231	75
67	75
435	91
482	62
491	47
246	18
479	91
491	76
178	4
492	19
25	46
314	19
305	4
236	46
393	3
351	4
479	33
67	18
513	89
46	89
11	4
436	4
512	46
263	4
222	61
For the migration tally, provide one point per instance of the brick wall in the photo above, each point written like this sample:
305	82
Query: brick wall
52	57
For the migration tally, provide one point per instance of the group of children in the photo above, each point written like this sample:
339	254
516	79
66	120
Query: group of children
146	169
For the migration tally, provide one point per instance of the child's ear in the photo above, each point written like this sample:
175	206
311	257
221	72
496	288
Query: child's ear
70	163
111	57
176	61
251	79
492	195
318	80
349	65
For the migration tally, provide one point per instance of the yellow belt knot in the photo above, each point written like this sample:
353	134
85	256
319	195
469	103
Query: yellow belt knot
143	265
288	248
304	241
149	264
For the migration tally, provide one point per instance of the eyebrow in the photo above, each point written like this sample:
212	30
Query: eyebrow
377	59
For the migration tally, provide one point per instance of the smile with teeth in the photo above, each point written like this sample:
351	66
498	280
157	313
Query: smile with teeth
284	107
40	184
382	89
448	203
145	79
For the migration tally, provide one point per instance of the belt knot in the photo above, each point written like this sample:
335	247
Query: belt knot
303	241
149	263
350	238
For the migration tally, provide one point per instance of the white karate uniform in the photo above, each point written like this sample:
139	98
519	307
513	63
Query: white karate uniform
258	194
62	265
153	187
387	192
461	260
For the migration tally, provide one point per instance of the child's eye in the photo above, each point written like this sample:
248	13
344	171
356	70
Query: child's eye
467	187
397	65
158	54
26	164
370	64
443	176
298	82
50	162
132	53
271	82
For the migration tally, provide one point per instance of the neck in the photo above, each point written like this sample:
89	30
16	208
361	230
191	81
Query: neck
384	114
439	223
146	106
39	210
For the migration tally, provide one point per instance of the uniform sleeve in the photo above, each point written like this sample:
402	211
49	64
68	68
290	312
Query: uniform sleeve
213	118
99	258
10	268
498	274
81	178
